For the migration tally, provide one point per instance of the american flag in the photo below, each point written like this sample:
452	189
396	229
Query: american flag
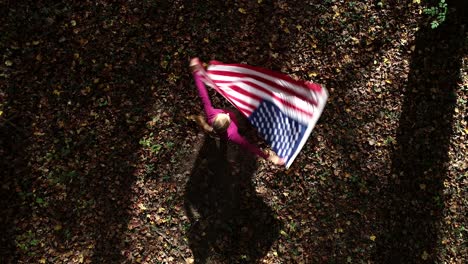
282	109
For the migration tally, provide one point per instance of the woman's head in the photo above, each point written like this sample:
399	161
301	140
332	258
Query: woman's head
221	123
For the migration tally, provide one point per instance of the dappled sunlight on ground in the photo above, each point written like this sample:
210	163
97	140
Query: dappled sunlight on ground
100	163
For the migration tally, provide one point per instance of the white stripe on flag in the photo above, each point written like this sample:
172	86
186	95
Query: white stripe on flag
293	100
239	97
298	101
289	111
217	78
296	88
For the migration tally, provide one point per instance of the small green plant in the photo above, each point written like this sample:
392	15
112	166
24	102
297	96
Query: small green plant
292	226
149	168
389	140
62	177
438	201
39	201
102	102
186	227
26	241
149	143
438	13
392	115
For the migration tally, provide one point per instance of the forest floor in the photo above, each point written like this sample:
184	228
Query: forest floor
99	163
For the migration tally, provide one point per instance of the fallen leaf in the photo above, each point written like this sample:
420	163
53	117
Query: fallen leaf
312	74
425	255
86	90
142	206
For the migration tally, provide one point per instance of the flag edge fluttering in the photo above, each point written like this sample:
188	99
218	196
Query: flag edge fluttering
322	101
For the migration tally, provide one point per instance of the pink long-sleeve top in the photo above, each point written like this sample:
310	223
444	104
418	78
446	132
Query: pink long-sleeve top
232	133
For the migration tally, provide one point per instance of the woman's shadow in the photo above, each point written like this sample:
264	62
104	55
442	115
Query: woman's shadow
229	222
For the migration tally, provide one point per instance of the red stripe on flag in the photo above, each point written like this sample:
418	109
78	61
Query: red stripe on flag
241	100
314	87
247	112
260	79
226	95
281	76
281	100
236	102
258	98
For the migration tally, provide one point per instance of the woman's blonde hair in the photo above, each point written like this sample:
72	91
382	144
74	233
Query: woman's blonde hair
221	123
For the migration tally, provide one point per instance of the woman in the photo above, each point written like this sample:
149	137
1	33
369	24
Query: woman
223	123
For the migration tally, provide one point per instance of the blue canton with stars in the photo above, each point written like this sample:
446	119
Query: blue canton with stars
281	132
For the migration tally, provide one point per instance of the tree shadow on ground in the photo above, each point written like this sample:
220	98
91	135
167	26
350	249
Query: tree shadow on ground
12	167
230	223
69	157
419	162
